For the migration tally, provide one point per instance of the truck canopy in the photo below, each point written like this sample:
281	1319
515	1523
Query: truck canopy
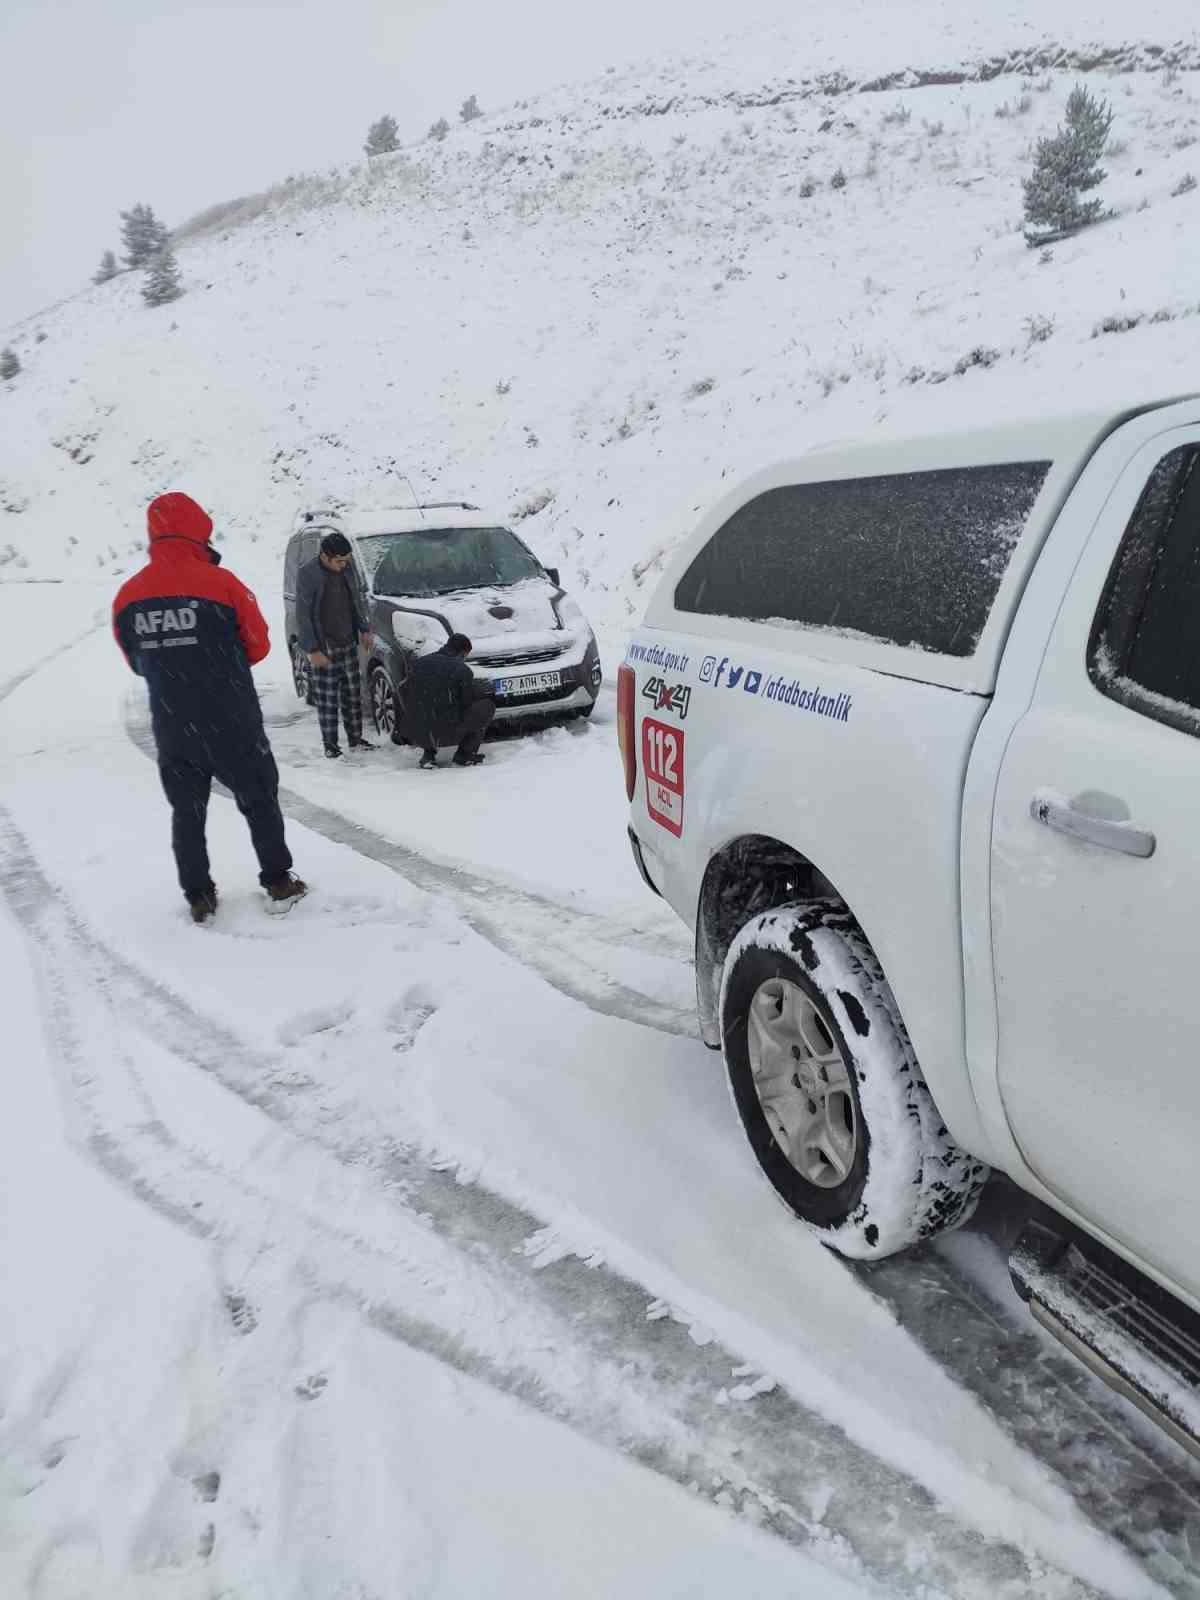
904	555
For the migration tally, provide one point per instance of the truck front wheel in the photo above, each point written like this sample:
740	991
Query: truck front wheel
828	1088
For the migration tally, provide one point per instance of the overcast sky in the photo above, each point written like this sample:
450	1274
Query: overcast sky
181	103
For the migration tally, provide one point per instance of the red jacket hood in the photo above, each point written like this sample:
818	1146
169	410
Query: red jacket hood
177	516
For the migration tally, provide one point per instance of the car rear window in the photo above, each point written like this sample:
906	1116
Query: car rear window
912	558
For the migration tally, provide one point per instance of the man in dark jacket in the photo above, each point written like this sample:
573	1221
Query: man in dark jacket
447	704
331	626
193	632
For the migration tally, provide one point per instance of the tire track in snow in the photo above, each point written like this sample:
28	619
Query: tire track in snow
646	1388
1139	1488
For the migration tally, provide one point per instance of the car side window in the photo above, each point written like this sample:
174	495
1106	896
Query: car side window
909	558
291	565
1144	649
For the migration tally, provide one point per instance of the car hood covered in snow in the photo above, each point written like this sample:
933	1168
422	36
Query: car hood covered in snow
520	617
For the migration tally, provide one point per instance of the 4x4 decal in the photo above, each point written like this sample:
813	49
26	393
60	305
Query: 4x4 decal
673	697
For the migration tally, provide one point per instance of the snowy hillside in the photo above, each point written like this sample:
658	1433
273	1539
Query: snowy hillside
592	310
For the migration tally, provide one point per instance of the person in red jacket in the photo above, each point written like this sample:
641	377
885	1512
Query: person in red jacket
193	632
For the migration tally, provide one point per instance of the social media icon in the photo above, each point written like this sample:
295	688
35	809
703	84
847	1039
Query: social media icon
707	667
753	680
735	676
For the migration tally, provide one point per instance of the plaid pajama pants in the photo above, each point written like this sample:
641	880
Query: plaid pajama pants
341	681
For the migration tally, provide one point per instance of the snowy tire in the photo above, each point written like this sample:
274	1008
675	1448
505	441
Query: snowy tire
302	675
828	1088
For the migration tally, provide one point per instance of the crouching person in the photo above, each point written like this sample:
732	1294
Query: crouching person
446	704
193	632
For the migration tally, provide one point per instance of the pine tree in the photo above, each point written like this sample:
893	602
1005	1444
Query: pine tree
9	364
1066	167
162	279
469	109
142	234
439	129
107	269
382	137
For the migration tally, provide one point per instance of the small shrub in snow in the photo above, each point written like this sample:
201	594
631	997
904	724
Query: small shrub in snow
897	117
162	283
107	269
1014	108
142	235
382	137
504	386
1116	148
935	130
439	129
808	188
1120	323
1185	185
839	180
1038	329
10	363
1065	168
981	356
1163	315
469	110
533	505
1170	75
701	386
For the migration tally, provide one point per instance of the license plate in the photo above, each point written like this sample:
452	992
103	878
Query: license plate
534	683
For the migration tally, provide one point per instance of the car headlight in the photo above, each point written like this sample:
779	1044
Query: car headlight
569	613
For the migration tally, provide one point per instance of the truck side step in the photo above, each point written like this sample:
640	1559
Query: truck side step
1129	1331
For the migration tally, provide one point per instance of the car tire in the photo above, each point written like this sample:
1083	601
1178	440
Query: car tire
384	705
828	1088
302	675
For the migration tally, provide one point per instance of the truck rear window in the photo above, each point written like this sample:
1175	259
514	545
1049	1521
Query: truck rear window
913	558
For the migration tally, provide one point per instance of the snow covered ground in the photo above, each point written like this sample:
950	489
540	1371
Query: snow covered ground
407	1245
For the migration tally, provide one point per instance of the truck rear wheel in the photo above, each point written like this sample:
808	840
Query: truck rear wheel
828	1088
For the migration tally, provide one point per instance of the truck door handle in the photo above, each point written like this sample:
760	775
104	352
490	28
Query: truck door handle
1055	812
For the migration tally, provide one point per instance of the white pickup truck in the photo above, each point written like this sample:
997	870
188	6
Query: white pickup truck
911	735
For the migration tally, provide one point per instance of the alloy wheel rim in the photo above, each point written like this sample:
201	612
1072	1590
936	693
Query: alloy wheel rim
802	1083
382	705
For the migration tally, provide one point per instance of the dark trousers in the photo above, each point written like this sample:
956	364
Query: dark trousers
248	770
341	681
468	735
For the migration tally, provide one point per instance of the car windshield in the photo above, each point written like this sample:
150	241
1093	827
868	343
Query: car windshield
441	560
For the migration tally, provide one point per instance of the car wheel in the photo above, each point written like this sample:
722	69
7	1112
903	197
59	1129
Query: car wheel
302	674
383	702
828	1088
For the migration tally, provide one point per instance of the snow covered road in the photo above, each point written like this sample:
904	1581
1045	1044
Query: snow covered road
441	1147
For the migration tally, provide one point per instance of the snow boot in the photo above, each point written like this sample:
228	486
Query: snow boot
284	892
362	744
428	760
468	761
203	905
332	752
